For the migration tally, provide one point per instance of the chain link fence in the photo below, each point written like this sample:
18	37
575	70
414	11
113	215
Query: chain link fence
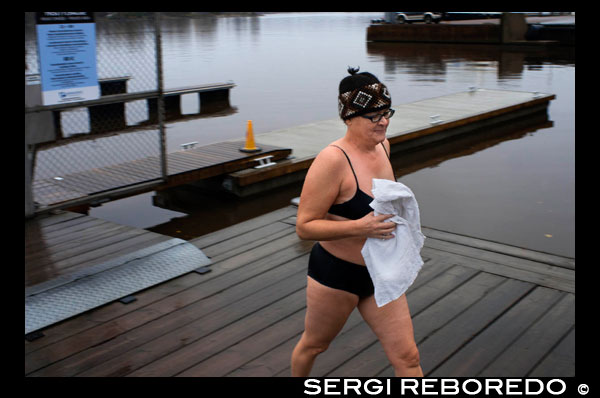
85	151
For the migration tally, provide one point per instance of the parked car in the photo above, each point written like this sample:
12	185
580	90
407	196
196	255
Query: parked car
427	17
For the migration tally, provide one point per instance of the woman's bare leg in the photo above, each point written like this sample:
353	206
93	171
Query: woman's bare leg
393	327
327	310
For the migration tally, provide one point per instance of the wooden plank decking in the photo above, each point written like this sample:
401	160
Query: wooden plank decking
74	263
182	167
57	245
479	309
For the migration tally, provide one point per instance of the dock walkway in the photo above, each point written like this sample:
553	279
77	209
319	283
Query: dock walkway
414	124
182	167
479	308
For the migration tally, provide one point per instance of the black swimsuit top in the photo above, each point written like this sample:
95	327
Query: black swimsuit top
358	206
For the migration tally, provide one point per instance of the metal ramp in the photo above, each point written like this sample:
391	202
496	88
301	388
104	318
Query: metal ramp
69	295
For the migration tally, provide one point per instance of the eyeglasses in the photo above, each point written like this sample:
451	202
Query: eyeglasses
387	114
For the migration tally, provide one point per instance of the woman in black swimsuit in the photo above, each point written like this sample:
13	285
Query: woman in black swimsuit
334	211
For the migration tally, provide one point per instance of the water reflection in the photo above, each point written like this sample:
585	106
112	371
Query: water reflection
469	144
434	61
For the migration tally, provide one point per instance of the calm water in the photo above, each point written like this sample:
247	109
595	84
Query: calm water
517	190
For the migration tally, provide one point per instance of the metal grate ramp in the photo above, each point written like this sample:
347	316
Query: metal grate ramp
63	297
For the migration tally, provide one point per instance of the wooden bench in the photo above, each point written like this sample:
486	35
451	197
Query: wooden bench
99	114
110	116
213	97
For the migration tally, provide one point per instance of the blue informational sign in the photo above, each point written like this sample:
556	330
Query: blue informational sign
67	56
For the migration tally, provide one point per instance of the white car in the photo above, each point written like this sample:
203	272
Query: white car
427	17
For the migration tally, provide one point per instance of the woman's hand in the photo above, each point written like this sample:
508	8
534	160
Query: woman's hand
373	226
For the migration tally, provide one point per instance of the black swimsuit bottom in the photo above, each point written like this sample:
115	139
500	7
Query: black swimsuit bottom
336	273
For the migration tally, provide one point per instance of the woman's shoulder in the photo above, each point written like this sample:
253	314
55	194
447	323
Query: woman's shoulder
329	161
332	153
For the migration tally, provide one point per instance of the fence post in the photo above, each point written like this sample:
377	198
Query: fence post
29	206
161	103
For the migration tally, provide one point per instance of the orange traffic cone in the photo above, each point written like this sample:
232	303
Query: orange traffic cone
250	145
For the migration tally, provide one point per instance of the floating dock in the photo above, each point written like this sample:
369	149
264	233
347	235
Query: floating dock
183	167
479	308
414	124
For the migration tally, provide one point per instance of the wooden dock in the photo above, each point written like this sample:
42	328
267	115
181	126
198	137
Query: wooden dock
182	167
512	29
414	124
68	242
479	308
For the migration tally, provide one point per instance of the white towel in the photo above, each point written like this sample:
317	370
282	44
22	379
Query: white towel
394	263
